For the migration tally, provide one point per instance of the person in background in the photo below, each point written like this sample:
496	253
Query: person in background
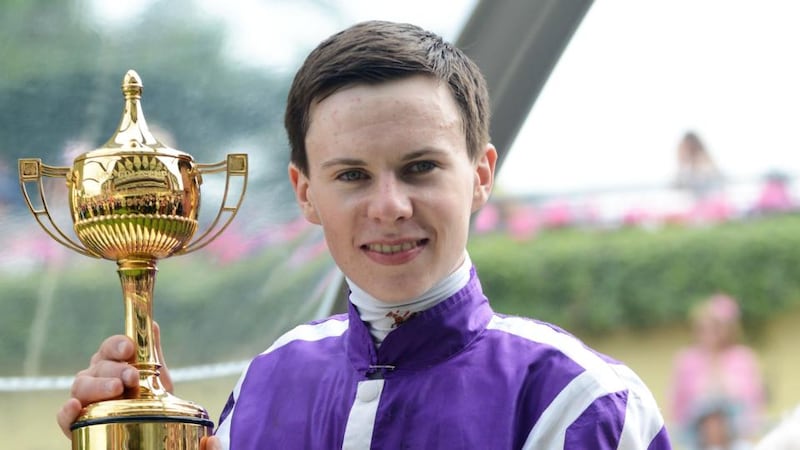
697	172
717	394
390	155
702	181
775	195
713	427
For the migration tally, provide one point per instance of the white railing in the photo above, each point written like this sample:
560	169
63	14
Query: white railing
204	372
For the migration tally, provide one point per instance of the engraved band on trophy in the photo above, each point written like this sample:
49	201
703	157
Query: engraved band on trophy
135	201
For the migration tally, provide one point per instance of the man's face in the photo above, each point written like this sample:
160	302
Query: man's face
392	185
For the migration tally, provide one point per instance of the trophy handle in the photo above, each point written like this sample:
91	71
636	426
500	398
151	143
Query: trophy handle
235	165
31	170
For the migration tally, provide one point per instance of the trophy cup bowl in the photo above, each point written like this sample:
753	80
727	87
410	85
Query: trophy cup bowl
135	201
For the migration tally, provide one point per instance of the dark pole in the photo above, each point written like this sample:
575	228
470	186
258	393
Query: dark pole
517	43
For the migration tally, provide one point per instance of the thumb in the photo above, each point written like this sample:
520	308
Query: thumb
166	379
210	443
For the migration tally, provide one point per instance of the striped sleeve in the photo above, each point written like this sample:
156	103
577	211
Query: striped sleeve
605	407
306	332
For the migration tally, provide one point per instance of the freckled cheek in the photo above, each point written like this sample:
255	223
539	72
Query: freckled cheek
341	247
342	220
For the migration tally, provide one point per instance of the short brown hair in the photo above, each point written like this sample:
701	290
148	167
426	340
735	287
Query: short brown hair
377	51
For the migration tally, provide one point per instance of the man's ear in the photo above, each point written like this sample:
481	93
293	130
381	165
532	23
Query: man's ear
302	193
484	177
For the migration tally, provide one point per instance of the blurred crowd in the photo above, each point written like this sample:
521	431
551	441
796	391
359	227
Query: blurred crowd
717	398
699	194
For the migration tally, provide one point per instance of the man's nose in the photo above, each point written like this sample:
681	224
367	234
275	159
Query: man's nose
390	201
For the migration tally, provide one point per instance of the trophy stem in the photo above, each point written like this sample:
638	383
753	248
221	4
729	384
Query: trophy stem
149	417
138	279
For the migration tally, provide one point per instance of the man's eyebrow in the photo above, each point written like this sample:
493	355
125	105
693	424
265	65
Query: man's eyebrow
343	162
360	162
423	153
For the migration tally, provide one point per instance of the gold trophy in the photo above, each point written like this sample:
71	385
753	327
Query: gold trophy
135	201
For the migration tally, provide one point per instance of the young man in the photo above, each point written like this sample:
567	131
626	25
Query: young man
388	127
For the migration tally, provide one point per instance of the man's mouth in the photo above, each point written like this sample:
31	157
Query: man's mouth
390	249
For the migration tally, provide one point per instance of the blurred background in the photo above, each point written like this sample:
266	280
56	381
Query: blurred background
654	174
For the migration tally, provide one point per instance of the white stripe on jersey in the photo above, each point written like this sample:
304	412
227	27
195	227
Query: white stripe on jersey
305	332
599	379
311	333
641	424
361	421
550	430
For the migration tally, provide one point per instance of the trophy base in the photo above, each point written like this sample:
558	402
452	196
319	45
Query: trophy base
135	424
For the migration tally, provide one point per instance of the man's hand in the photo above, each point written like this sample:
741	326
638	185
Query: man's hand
210	443
109	374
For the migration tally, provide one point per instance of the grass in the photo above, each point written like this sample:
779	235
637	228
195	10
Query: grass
27	420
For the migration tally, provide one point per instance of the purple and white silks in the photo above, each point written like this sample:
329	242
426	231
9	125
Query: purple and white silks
456	376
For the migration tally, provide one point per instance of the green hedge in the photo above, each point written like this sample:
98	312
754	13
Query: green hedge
587	282
635	278
208	311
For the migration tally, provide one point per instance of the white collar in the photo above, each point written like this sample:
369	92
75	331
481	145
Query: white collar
382	317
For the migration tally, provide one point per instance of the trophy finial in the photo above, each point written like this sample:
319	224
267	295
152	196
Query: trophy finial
133	131
132	85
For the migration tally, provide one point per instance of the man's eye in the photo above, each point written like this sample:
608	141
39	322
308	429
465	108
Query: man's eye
351	175
421	166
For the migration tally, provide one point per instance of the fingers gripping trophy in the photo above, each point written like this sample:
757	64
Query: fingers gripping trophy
136	201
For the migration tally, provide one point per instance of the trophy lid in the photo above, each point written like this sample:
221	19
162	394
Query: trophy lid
133	133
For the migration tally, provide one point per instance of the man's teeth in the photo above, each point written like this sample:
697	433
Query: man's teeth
389	249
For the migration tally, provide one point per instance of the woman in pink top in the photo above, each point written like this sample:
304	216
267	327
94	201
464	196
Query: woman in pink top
717	377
